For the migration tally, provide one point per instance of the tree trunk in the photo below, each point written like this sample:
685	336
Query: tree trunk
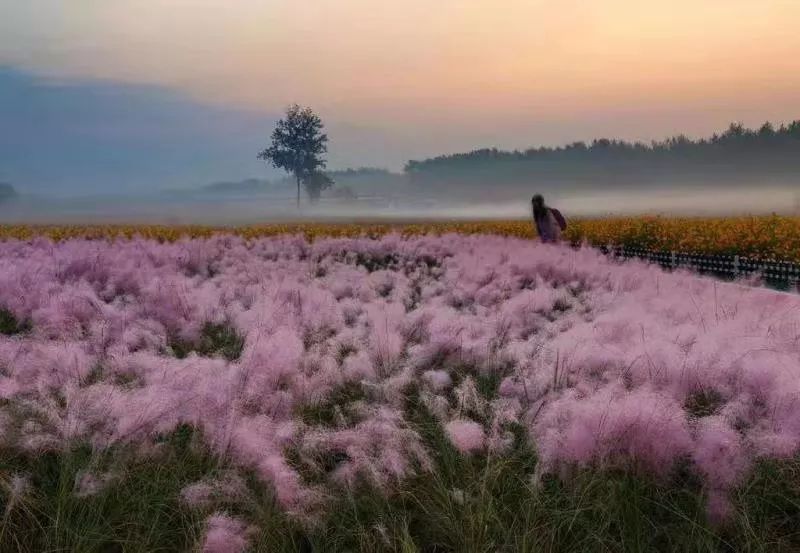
298	191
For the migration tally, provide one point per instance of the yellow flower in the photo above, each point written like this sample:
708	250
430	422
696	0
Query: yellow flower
764	237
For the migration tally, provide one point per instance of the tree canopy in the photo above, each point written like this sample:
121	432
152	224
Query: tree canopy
297	146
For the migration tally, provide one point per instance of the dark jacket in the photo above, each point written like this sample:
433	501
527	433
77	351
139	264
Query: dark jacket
545	228
559	218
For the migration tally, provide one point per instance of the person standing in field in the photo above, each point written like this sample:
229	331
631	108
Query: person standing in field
548	221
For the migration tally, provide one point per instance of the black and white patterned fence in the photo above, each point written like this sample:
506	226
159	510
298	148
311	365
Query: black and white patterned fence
778	274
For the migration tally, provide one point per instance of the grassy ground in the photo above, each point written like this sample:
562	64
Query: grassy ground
468	504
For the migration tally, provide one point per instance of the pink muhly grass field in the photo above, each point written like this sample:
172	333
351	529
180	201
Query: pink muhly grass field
604	365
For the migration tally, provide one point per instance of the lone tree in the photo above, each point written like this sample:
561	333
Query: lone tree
297	147
315	183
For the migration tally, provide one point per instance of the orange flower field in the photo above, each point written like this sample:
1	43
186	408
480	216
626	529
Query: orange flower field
765	237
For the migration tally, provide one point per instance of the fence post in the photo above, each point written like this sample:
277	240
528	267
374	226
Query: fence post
735	266
672	259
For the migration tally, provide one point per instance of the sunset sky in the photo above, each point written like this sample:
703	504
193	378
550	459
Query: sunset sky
414	78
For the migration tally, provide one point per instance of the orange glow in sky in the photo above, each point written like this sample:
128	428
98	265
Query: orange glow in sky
488	68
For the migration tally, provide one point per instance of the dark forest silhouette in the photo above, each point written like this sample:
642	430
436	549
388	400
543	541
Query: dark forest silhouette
737	155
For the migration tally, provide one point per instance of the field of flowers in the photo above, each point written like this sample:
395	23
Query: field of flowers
401	393
768	237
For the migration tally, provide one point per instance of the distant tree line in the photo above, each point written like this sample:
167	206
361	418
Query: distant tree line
736	154
360	172
352	183
7	192
366	182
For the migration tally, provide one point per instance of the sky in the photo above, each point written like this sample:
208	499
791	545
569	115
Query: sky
165	93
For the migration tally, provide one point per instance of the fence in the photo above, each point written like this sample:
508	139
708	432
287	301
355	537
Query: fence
783	275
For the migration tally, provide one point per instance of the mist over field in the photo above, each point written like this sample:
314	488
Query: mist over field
197	207
82	151
231	208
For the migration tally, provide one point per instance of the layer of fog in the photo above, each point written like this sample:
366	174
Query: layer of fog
225	209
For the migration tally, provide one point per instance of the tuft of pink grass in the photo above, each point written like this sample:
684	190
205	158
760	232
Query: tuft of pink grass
225	534
604	364
467	436
437	380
